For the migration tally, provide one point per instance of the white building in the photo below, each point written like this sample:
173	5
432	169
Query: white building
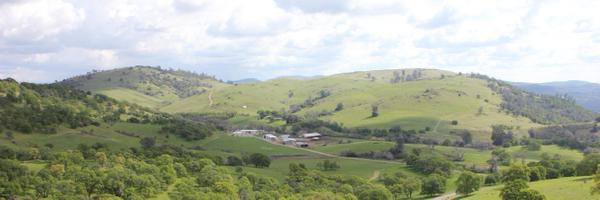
270	137
246	132
312	136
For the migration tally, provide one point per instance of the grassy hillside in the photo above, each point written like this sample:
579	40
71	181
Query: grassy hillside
146	86
434	99
555	189
414	99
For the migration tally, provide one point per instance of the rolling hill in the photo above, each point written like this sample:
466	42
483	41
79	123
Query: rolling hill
147	86
436	100
585	93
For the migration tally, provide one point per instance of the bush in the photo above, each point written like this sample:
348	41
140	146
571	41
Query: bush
259	160
234	161
491	179
533	146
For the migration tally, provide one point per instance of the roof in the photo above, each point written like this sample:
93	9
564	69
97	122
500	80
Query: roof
289	139
270	135
311	135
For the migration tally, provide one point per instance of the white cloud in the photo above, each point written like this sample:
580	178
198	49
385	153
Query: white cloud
513	40
23	74
28	21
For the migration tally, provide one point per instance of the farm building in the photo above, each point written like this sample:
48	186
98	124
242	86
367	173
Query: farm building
246	132
312	136
270	137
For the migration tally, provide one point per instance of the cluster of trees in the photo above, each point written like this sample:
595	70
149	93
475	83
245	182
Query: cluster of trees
43	108
515	185
502	136
401	185
27	107
188	130
402	75
575	136
328	165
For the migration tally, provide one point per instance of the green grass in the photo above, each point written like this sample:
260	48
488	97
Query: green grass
34	166
555	189
231	145
132	96
564	153
357	146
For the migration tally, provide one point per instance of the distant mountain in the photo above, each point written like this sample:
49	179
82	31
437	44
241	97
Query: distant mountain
585	94
245	81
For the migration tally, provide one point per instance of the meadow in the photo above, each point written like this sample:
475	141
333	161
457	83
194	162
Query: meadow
471	155
555	189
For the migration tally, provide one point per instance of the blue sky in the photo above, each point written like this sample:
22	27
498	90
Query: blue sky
530	41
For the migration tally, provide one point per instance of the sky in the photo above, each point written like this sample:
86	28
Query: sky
528	41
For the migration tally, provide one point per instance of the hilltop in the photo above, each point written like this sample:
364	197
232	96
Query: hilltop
148	86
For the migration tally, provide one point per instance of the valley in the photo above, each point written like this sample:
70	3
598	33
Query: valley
382	130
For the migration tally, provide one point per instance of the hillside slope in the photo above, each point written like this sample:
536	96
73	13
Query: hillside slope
32	115
419	99
410	98
147	86
585	93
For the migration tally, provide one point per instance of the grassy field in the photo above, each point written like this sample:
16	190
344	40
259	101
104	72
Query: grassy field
283	156
471	156
555	189
132	96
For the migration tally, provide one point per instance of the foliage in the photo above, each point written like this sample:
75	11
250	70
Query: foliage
468	182
536	106
148	142
575	136
189	130
433	184
432	164
589	164
500	135
259	160
407	186
515	184
328	165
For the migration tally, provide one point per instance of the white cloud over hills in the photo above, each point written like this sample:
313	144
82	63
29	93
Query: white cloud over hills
533	41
